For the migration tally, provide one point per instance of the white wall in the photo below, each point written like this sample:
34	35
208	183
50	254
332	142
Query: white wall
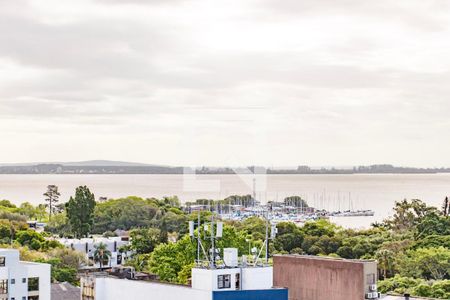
113	289
20	272
206	279
43	272
258	278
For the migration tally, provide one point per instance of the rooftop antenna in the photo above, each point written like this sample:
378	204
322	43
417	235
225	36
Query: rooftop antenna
200	248
254	190
265	246
267	238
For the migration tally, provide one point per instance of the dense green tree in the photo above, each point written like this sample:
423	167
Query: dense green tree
433	241
28	210
5	215
6	233
328	244
428	263
289	237
399	285
68	257
168	261
415	287
30	238
295	201
174	221
254	226
146	239
433	224
60	272
319	228
125	213
59	225
7	203
407	214
80	212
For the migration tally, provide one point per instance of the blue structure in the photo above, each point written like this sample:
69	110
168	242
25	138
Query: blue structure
271	294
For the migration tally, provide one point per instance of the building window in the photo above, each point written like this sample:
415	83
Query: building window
224	281
13	281
24	280
33	284
371	278
2	261
4	286
24	298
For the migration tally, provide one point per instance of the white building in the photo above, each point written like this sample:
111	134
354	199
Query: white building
221	283
87	246
23	280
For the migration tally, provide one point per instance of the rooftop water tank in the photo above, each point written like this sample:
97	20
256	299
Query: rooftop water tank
230	257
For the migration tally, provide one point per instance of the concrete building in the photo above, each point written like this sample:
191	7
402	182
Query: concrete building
23	280
217	283
87	246
320	278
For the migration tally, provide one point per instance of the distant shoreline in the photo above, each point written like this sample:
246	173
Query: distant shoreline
102	167
230	174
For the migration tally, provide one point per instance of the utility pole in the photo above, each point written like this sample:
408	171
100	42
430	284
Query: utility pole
198	238
267	238
254	192
213	248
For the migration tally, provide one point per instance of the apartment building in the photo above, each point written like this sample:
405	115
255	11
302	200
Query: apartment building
87	246
23	280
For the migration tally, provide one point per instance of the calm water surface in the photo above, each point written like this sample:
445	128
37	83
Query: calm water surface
375	191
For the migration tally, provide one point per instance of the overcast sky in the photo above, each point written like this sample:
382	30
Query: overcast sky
226	82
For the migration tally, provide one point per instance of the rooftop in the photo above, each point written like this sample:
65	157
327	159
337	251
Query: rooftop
395	297
65	291
313	257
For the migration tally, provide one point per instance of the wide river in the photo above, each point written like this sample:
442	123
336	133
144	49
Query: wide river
375	191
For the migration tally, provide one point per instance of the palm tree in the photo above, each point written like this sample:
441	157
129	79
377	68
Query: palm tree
385	260
101	254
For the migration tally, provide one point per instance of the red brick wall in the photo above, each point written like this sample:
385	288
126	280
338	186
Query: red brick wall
319	279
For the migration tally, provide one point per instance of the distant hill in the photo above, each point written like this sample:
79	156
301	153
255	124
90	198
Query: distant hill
94	163
106	163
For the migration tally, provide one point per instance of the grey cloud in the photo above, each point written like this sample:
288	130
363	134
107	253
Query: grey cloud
146	76
92	48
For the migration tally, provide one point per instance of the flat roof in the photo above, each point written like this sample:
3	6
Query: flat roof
328	258
65	291
391	297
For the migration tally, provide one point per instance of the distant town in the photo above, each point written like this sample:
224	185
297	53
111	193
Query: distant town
113	167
